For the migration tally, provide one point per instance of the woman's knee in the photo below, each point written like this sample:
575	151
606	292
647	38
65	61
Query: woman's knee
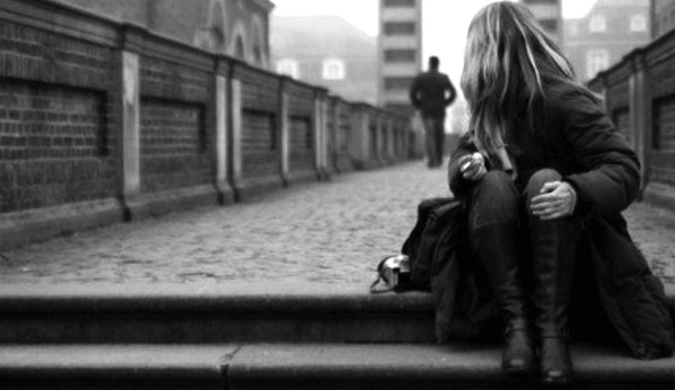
495	200
496	182
540	178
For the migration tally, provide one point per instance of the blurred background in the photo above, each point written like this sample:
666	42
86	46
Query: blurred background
369	50
381	44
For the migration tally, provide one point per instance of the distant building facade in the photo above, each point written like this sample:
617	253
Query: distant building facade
327	51
549	15
239	28
400	52
611	30
663	17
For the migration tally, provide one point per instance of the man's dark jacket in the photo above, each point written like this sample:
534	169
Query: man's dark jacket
431	92
577	139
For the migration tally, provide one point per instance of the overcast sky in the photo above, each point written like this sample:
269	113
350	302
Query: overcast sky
444	22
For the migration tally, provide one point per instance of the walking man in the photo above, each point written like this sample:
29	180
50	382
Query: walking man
431	93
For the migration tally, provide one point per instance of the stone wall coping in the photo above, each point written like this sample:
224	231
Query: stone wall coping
63	19
658	50
167	48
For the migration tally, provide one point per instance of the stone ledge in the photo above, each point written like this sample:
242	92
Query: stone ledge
157	203
302	177
233	312
247	188
23	227
190	314
660	195
461	364
230	297
330	366
102	364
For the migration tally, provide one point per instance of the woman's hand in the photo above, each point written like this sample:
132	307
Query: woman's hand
558	199
472	166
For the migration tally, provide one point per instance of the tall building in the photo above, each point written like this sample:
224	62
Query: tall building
327	51
606	34
239	28
549	15
663	17
400	52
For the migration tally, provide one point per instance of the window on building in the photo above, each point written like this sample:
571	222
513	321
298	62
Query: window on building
333	69
598	24
400	28
596	60
638	23
399	3
400	55
289	68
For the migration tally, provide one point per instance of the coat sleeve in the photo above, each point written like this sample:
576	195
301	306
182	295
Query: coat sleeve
459	186
608	177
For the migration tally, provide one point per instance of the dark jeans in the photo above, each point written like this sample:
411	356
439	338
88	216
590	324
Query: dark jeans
497	201
434	139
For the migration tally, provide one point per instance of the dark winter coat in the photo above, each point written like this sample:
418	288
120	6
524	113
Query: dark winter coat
576	138
441	261
431	92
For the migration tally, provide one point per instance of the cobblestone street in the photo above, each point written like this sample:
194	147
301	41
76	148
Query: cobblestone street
332	233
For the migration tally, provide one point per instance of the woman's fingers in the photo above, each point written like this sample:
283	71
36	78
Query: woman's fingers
549	186
475	172
472	167
464	163
554	202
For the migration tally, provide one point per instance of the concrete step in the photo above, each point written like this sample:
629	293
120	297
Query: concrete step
180	314
112	367
306	366
233	313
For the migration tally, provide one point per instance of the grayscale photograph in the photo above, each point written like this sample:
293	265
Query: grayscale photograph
337	194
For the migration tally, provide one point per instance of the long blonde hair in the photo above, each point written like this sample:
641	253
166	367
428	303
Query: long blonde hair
508	63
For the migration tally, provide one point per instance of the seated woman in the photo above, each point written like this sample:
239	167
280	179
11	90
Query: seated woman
542	158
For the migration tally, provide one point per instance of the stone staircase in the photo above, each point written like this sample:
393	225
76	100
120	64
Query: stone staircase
250	337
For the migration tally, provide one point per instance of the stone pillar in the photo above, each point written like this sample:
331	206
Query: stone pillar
236	154
602	79
129	111
221	143
391	140
284	131
359	144
320	133
640	104
331	125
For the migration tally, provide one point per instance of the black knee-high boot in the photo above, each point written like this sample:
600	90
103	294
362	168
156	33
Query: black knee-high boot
497	248
554	245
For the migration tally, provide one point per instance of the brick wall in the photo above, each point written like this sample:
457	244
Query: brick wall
175	89
260	144
56	143
663	142
302	132
174	145
640	97
343	130
618	92
54	146
101	120
261	136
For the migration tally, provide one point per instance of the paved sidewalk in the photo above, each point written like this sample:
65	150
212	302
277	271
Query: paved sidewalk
330	233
